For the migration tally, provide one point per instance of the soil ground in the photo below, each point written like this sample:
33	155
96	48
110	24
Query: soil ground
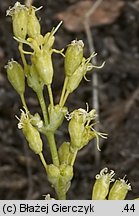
21	173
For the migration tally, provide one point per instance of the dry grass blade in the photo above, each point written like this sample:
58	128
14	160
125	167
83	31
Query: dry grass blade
95	94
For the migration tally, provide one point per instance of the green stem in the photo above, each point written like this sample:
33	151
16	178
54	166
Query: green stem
50	95
43	160
61	196
53	148
60	191
65	98
63	90
22	55
72	157
23	101
43	105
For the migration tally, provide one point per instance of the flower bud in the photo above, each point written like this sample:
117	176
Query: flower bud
73	57
44	67
34	28
19	15
77	76
49	38
64	152
53	173
102	184
76	128
33	79
30	132
64	181
56	116
62	187
119	190
48	41
66	171
16	76
36	121
88	135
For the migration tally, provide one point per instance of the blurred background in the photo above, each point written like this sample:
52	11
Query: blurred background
114	27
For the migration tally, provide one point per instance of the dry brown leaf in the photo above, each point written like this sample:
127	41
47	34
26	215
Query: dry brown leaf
106	13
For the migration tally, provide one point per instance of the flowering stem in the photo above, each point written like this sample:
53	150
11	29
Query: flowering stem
63	91
43	161
50	95
61	190
53	148
23	101
61	196
65	98
43	105
73	157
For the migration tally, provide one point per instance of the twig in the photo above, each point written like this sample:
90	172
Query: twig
95	94
134	6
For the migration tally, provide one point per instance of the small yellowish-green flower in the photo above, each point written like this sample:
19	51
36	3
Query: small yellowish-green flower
64	153
33	79
56	117
76	77
119	190
81	128
30	132
36	121
66	172
44	66
76	129
102	184
19	14
53	173
16	76
34	28
73	57
49	39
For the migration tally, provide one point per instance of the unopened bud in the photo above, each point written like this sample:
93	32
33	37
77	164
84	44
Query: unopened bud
44	67
19	15
36	121
88	135
16	76
49	38
34	28
102	184
73	57
66	171
56	116
119	190
76	128
48	41
33	79
64	153
53	173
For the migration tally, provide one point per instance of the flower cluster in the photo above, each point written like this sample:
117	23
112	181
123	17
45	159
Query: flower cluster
37	71
101	188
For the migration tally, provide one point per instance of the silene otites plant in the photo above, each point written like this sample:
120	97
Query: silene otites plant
39	73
